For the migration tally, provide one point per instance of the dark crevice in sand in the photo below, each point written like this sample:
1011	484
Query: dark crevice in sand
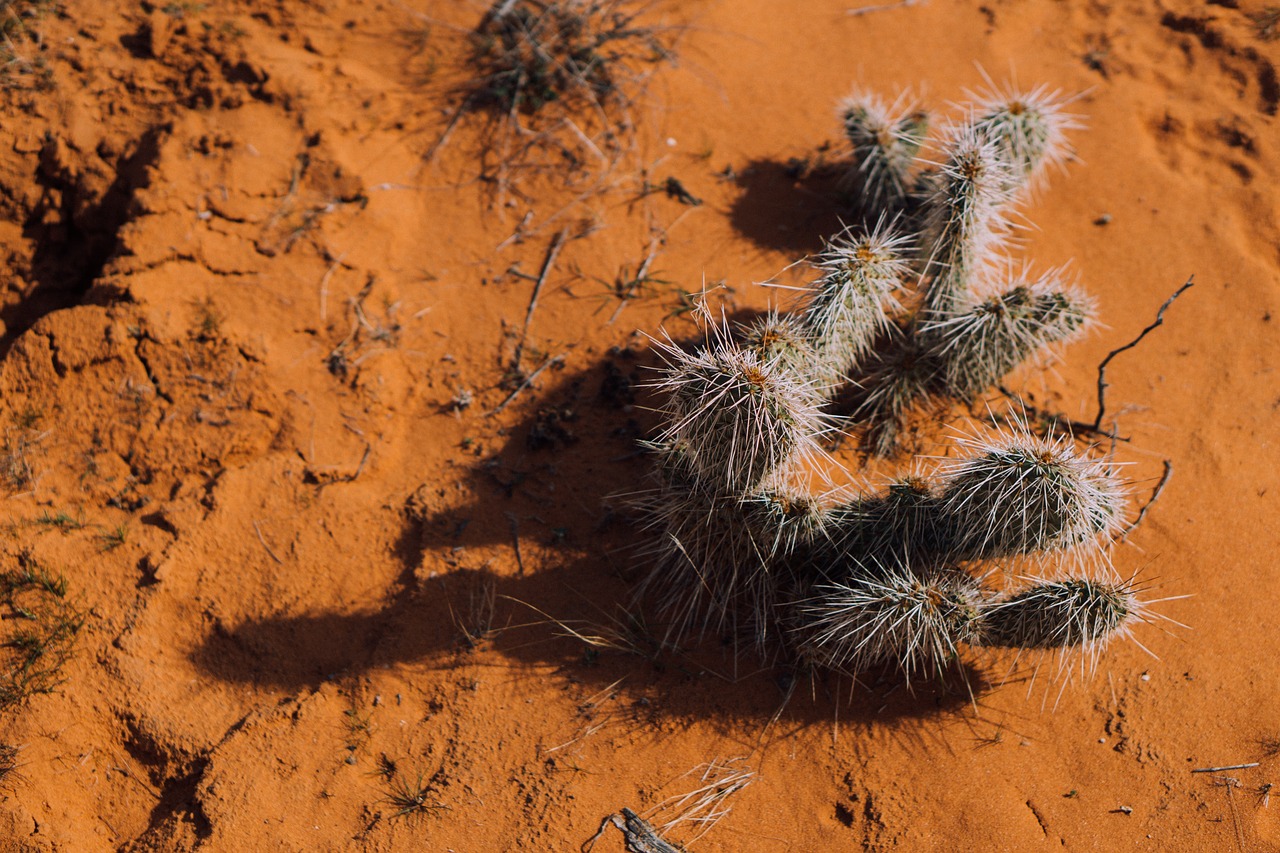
75	233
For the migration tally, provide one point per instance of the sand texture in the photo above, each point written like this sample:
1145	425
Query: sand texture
263	307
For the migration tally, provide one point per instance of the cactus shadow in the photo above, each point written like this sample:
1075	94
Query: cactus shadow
468	596
789	205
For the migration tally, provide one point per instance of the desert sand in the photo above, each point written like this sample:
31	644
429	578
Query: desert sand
264	306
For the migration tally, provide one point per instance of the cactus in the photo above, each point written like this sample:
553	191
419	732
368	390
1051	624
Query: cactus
740	416
1057	614
914	621
1022	494
852	304
964	225
1029	128
886	139
900	577
981	343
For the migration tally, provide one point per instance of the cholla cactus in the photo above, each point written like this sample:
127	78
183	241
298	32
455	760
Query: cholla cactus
973	322
881	615
886	139
1028	126
853	303
739	542
978	344
1021	494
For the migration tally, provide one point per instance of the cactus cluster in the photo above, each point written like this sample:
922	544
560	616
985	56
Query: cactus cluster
971	320
746	536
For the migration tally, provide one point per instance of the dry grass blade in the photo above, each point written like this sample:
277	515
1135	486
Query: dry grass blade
705	805
8	763
413	796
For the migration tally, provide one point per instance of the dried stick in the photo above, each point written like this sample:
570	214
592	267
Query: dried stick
528	380
515	538
324	287
263	540
883	7
1076	427
1155	494
557	243
1102	368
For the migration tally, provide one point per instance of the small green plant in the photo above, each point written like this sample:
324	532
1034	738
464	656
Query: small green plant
207	324
40	627
109	540
60	520
359	729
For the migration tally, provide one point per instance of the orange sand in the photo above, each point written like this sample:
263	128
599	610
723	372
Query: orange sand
197	206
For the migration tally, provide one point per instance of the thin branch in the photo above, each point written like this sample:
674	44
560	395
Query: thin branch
1102	368
641	274
324	286
528	380
1155	494
1077	428
263	540
883	7
515	538
557	243
368	449
1225	767
448	131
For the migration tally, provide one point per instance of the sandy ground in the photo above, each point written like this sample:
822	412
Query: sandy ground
240	304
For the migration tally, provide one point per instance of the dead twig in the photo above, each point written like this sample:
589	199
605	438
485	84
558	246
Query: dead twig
1033	412
626	290
557	243
528	380
1155	495
324	286
1230	782
518	234
883	7
350	478
1225	767
1102	368
324	478
458	113
263	540
515	539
